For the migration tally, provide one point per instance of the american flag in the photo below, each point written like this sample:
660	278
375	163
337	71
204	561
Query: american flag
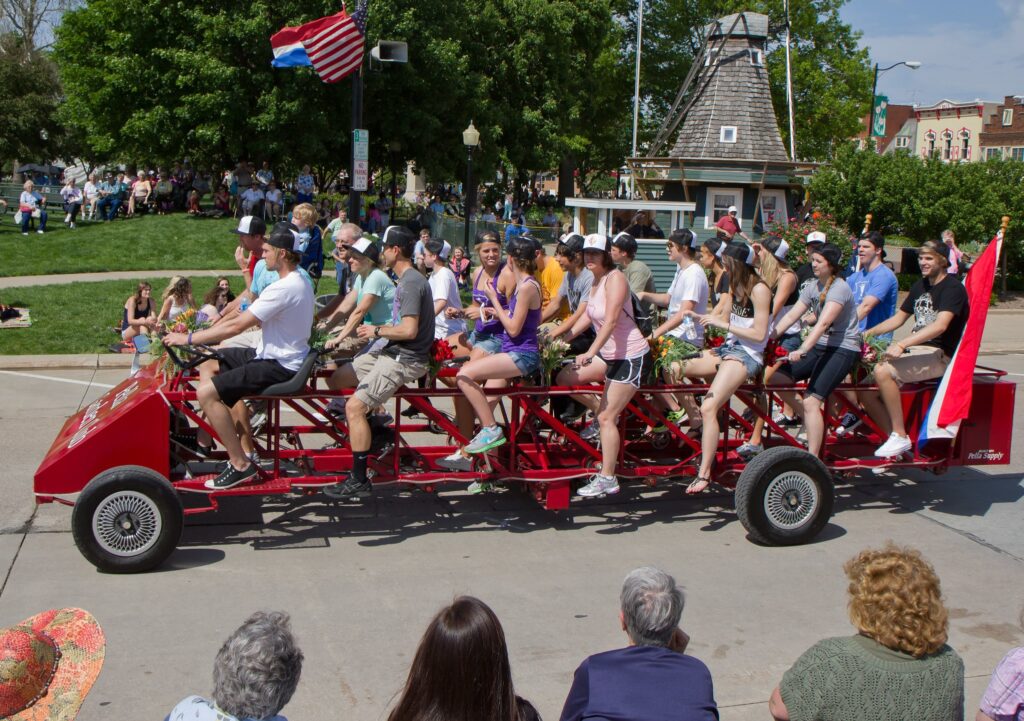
333	45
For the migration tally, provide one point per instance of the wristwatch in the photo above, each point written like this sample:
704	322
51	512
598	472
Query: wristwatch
376	331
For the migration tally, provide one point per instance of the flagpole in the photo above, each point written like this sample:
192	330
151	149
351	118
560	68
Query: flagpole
357	122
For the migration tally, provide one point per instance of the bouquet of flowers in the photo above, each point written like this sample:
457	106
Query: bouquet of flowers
871	352
188	321
440	351
773	352
552	353
714	336
668	349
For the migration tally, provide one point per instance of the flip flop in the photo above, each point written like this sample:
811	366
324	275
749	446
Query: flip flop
697	485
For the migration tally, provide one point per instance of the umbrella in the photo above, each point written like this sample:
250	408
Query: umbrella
36	168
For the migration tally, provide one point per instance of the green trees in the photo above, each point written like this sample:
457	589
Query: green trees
31	94
921	198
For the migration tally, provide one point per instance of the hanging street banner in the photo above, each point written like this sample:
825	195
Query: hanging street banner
361	155
881	105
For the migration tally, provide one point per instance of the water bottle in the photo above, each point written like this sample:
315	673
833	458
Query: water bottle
244	305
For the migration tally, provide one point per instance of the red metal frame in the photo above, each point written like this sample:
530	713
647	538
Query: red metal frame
132	423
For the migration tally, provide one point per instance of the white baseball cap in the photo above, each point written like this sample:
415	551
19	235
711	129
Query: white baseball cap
816	236
596	241
732	209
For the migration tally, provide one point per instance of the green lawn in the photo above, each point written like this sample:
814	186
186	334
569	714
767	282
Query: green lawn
147	243
79	317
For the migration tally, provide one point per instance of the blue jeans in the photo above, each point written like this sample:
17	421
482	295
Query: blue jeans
528	362
26	218
114	204
488	341
736	351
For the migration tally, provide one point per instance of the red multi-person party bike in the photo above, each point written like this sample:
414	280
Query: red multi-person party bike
127	462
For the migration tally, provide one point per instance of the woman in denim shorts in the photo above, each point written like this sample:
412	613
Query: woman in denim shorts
831	348
784	284
485	338
740	357
519	356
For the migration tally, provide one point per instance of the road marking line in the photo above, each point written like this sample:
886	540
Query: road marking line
59	380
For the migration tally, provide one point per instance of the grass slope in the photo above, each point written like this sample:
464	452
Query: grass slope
147	243
78	317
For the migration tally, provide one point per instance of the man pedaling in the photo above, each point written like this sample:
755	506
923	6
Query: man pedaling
284	310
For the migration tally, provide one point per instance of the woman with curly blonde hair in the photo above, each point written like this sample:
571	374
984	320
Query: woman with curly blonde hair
898	666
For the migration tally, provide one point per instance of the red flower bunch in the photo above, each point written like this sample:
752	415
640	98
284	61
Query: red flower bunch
715	341
440	351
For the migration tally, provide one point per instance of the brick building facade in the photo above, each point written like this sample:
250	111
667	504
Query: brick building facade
1003	133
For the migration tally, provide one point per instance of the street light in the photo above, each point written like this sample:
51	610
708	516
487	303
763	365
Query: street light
912	64
471	139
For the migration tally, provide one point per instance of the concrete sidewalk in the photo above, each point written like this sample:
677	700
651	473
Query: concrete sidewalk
23	281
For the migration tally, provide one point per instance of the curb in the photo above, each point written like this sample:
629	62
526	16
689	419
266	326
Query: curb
93	361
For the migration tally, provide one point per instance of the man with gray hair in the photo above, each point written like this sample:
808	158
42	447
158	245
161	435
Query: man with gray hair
254	675
651	679
343	303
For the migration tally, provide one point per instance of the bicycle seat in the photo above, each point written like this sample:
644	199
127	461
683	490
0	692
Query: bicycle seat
298	381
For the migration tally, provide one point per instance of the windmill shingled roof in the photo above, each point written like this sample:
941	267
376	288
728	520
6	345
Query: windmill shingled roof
732	91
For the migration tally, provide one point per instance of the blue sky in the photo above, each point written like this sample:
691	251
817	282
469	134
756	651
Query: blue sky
969	49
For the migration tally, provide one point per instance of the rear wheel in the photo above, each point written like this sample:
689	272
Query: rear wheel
784	496
127	520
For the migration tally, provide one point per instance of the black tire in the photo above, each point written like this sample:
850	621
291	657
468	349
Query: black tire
784	497
135	496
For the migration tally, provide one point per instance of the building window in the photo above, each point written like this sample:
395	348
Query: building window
930	144
993	153
1017	153
902	141
757	59
718	202
1008	116
727	134
773	208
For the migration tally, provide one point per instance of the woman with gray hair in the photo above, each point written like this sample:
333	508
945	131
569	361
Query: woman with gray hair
650	679
254	675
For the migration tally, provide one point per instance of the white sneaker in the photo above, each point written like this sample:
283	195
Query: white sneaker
895	446
72	226
67	218
456	462
600	486
40	231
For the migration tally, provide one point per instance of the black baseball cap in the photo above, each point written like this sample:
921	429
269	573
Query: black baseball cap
284	237
251	225
831	253
625	242
397	236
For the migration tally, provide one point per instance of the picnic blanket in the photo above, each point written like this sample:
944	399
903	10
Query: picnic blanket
24	320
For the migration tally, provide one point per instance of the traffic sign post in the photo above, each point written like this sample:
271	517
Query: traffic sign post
361	159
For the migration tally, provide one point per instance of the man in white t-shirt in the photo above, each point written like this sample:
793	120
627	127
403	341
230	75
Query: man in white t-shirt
285	312
444	289
251	199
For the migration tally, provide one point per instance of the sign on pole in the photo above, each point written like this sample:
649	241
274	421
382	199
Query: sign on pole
878	127
361	155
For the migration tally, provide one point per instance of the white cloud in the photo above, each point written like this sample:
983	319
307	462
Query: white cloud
959	62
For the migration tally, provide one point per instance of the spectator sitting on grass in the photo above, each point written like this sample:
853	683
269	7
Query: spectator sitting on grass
652	678
217	299
254	675
273	200
461	670
177	298
139	313
222	199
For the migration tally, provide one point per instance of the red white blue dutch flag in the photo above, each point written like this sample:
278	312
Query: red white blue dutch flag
953	399
333	45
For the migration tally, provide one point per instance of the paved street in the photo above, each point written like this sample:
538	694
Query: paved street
362	582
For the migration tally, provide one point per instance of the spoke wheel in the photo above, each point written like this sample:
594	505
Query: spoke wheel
127	520
784	497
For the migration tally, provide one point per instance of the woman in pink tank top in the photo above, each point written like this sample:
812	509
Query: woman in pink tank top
619	347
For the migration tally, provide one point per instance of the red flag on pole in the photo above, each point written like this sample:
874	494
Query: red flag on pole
953	399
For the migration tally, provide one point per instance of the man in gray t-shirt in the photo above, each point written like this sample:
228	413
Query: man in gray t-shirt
398	354
845	329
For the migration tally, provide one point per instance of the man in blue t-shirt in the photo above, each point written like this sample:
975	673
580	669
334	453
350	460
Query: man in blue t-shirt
875	288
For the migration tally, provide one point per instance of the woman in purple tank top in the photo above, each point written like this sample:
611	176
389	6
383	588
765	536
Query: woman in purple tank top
519	354
485	339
